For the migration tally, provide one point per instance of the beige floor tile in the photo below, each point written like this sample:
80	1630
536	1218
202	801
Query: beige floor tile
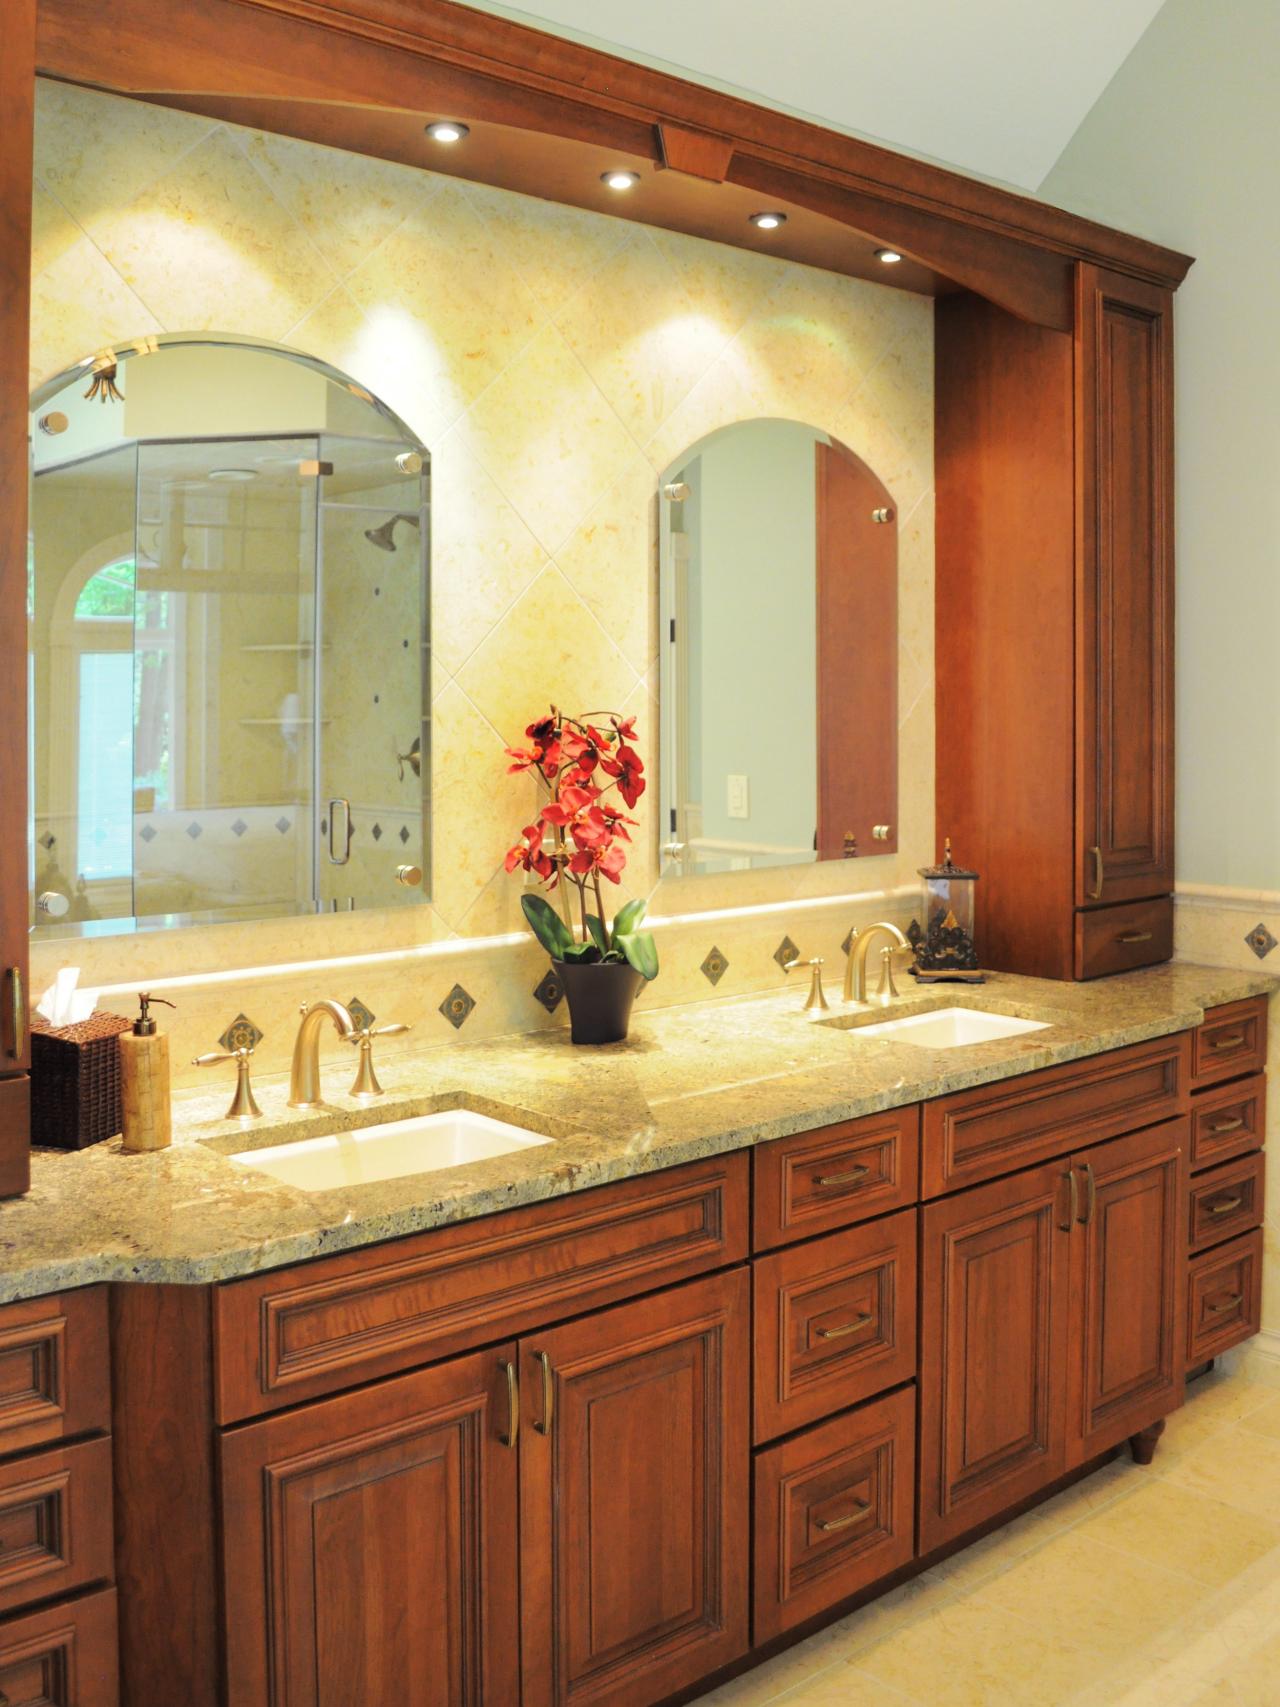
971	1654
846	1687
1240	1469
1187	1531
1215	1402
1265	1420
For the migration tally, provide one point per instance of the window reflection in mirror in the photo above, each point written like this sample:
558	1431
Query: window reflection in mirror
779	669
228	621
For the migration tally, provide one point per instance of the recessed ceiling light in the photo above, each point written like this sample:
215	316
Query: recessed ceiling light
447	130
620	180
233	474
888	256
768	221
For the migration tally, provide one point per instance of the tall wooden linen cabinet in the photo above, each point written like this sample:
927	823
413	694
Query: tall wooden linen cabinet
1055	624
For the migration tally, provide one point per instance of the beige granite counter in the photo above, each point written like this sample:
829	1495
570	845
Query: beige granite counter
691	1081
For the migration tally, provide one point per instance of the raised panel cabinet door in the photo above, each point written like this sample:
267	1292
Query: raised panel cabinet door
370	1545
1124	422
995	1277
1126	1364
635	1529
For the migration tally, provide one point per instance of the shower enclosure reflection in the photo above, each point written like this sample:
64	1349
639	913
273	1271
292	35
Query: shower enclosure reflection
228	617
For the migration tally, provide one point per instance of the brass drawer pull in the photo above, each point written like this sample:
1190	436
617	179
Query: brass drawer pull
862	1507
847	1328
1233	1125
1134	936
860	1171
1099	875
17	1040
1073	1201
1091	1194
513	1403
543	1424
1225	1205
1232	1042
1232	1303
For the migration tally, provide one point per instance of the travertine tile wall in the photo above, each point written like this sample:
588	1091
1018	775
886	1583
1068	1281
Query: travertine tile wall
554	362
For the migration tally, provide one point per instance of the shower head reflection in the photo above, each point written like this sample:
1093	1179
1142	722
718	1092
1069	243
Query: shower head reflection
384	537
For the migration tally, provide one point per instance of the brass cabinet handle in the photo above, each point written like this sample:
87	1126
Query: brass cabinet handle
1099	875
1134	936
513	1403
1232	1303
1232	1042
1091	1194
846	1328
17	1013
860	1171
1225	1205
339	853
1232	1125
861	1508
1073	1202
543	1423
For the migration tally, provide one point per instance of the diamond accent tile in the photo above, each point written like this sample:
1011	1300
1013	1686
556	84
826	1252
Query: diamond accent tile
376	832
148	832
714	967
239	827
404	832
457	1006
195	831
548	992
282	824
1261	941
785	951
242	1033
363	1016
846	947
47	840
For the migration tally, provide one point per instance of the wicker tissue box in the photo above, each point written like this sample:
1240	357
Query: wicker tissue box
75	1081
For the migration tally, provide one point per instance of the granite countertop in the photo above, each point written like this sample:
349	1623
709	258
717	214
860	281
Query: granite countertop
691	1081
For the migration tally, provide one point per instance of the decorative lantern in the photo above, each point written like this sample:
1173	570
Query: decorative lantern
945	951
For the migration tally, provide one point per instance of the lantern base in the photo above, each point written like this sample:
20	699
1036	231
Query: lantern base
954	976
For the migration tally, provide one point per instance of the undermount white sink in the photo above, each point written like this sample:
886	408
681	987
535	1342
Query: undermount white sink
949	1028
395	1148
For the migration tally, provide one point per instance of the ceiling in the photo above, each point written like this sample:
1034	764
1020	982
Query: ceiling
995	87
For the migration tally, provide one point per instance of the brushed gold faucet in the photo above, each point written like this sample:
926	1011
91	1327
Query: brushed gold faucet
304	1075
855	971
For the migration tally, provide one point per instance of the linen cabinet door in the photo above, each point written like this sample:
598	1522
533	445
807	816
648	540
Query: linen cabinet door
370	1545
635	1498
995	1276
1124	419
1129	1286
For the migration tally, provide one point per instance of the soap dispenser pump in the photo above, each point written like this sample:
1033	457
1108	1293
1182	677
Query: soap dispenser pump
144	1081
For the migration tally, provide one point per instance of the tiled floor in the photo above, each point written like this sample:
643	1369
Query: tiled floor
1135	1588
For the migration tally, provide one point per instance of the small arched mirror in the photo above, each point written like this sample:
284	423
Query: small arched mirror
228	640
779	620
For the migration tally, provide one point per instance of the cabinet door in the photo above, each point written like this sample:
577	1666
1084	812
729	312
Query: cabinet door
370	1546
1127	1286
995	1272
635	1499
1124	419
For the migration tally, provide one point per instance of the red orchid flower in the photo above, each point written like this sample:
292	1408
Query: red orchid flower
591	829
616	820
608	861
530	855
522	760
573	799
626	729
582	753
627	767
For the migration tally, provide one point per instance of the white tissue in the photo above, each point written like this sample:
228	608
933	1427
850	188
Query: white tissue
62	1004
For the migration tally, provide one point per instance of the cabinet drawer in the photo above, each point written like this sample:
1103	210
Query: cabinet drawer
1228	1121
302	1332
1120	939
64	1656
1232	1041
980	1134
54	1376
833	1511
55	1522
816	1181
835	1322
1227	1201
1224	1297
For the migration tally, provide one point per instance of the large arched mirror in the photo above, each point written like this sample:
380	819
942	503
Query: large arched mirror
779	622
228	657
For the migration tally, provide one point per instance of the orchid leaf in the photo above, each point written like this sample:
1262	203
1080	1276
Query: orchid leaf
641	952
627	917
547	925
599	935
582	954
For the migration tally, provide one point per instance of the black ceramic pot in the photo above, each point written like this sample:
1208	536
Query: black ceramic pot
600	997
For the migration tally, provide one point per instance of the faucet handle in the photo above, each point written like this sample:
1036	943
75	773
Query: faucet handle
816	997
886	989
244	1105
365	1083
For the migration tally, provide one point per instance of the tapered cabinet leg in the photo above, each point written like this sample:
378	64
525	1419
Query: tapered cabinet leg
1143	1446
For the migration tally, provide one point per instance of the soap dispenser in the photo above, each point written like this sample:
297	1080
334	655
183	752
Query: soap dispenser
144	1081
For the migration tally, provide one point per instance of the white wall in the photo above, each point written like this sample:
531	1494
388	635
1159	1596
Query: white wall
1184	147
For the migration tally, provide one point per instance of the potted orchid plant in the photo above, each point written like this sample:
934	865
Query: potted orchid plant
588	770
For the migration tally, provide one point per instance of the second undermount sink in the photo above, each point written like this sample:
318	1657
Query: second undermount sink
394	1149
949	1028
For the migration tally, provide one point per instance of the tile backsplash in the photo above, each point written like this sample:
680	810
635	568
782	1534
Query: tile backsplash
554	361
